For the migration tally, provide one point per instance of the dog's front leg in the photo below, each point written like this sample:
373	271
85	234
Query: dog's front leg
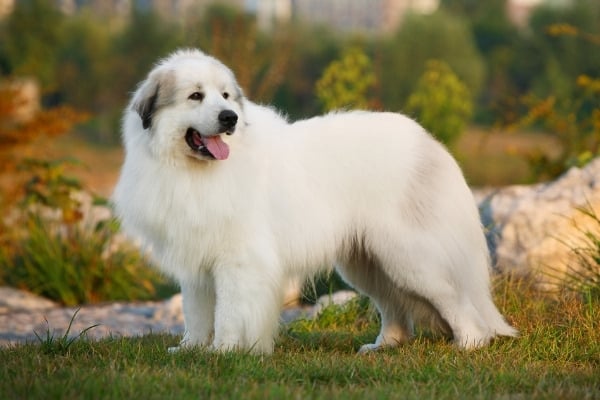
248	301
198	298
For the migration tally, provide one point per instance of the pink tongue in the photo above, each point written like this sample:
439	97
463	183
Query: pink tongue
217	147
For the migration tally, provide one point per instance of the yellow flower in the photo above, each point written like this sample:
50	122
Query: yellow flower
562	29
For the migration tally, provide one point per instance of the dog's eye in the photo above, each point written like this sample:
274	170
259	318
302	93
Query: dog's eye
225	95
196	96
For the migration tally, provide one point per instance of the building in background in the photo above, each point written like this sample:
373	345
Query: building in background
372	17
518	11
364	16
166	8
6	7
270	13
375	16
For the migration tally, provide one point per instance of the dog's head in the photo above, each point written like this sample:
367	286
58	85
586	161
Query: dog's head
188	105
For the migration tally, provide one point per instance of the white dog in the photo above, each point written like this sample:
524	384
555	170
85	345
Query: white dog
233	202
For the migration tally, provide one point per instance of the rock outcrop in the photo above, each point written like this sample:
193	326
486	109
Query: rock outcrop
534	229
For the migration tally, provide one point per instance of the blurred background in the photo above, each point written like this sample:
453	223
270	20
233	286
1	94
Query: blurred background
491	64
512	87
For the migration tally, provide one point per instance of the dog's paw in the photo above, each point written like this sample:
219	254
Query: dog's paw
174	349
184	346
369	348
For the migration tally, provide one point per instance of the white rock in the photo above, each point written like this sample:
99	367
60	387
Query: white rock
170	310
338	298
534	228
14	300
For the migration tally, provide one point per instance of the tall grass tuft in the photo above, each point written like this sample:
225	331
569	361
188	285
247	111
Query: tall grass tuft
52	345
584	276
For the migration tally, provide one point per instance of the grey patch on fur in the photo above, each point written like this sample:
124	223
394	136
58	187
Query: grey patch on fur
156	92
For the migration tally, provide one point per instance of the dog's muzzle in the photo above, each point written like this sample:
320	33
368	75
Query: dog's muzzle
212	146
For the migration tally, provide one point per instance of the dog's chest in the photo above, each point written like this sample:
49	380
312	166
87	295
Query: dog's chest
183	205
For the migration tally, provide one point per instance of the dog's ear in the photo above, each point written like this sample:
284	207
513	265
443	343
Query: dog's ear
154	92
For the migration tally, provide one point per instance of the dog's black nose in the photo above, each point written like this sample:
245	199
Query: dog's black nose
227	119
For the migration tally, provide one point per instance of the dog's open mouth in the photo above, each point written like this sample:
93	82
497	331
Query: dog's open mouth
209	146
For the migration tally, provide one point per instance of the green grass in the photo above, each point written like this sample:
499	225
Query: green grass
557	356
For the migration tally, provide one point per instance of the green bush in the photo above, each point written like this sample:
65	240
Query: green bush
572	117
346	82
73	265
441	102
421	38
52	250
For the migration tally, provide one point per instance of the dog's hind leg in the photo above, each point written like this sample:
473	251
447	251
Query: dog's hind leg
454	282
396	328
365	275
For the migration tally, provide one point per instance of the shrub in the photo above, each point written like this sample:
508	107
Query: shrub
574	118
441	102
57	251
420	38
76	266
574	121
346	82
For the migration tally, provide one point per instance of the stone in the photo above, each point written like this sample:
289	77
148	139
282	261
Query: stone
14	300
170	310
338	298
532	230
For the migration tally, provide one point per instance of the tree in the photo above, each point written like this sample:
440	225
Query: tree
259	61
30	39
146	38
310	56
84	60
565	55
572	115
421	38
441	102
346	82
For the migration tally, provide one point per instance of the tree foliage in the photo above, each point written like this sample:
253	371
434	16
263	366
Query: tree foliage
421	38
441	102
575	121
346	82
565	54
93	62
30	41
260	62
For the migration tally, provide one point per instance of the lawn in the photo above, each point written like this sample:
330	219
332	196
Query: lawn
557	356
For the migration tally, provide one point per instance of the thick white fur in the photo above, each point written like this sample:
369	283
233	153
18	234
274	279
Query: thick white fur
371	193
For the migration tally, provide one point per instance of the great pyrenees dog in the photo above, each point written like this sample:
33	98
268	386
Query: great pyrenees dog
233	202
